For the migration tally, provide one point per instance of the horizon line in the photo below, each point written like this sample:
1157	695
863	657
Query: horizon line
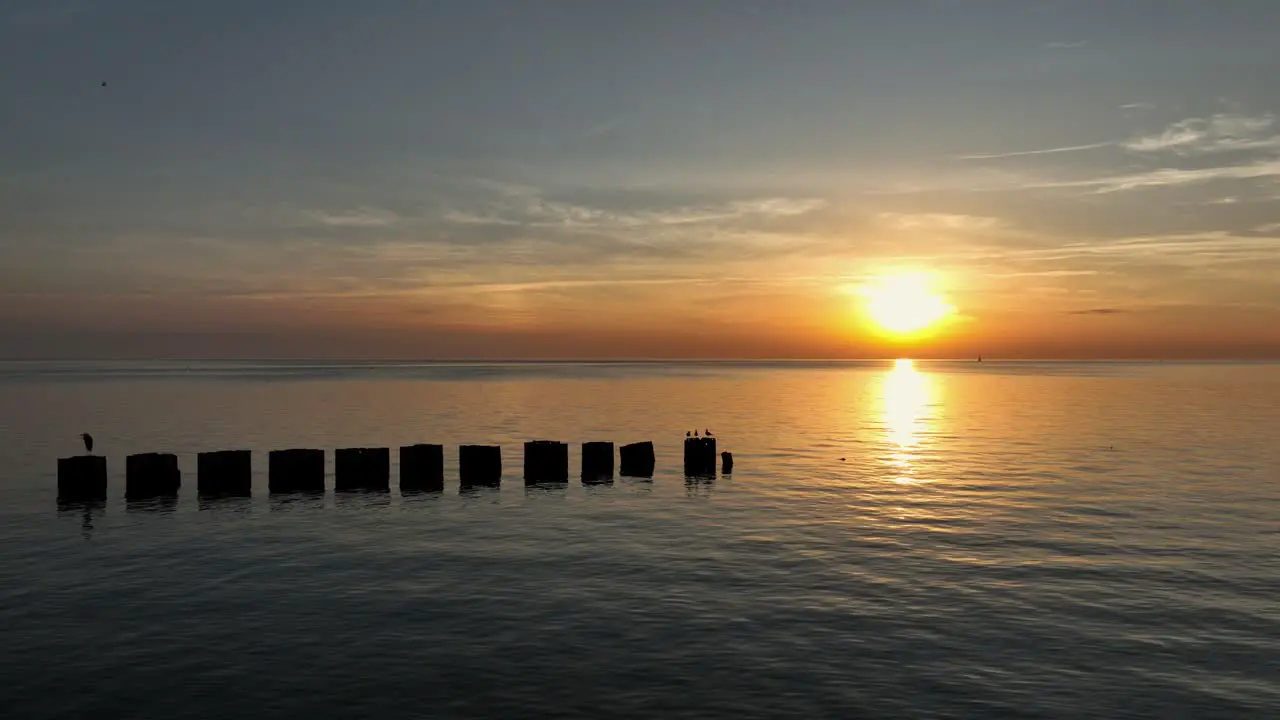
583	361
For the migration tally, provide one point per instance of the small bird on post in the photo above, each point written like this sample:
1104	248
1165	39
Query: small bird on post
88	441
688	433
695	433
707	433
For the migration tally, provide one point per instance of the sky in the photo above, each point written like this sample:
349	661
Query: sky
656	179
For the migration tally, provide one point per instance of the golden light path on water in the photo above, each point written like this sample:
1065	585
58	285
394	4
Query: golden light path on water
906	395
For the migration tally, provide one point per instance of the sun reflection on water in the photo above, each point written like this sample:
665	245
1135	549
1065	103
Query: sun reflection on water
907	395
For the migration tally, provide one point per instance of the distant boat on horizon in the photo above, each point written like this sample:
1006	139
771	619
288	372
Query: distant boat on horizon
979	358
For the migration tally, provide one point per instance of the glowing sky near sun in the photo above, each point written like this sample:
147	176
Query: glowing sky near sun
723	178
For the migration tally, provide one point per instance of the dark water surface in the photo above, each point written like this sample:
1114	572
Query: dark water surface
948	540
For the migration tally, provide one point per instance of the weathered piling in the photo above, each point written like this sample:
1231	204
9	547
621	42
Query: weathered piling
597	462
150	475
225	472
480	464
700	456
83	477
356	469
546	461
726	463
422	467
295	471
636	459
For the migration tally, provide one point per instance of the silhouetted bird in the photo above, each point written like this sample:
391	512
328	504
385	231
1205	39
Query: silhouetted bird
707	433
688	433
88	441
695	433
104	83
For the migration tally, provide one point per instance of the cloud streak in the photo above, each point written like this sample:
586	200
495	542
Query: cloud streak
362	217
1223	132
1042	151
1169	177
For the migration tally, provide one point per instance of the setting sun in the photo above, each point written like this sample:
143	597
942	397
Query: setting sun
904	304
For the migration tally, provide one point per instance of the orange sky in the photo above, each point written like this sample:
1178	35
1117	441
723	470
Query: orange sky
438	180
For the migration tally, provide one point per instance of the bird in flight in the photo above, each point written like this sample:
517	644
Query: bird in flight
88	441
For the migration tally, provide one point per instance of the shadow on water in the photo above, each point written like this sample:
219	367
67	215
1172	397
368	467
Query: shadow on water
236	504
154	505
289	502
87	510
359	499
479	493
699	485
553	489
417	495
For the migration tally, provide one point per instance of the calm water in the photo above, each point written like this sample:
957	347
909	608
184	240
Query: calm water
948	540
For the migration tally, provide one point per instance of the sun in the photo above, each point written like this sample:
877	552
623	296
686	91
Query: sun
904	305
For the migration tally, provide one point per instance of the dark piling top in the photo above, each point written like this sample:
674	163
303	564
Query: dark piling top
480	464
636	459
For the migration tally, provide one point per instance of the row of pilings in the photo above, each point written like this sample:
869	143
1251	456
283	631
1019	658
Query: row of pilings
230	472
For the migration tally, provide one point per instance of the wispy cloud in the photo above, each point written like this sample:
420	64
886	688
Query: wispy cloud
1223	132
360	217
1097	311
1167	177
525	207
1042	151
1066	44
937	221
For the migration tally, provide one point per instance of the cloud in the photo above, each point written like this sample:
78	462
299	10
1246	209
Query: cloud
1066	44
1223	132
937	221
1097	311
525	207
1166	177
1044	151
1189	248
359	217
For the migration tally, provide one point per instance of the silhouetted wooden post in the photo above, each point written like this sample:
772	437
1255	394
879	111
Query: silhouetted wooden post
726	463
480	464
636	459
699	456
422	467
597	462
225	472
151	475
83	477
362	469
546	461
295	471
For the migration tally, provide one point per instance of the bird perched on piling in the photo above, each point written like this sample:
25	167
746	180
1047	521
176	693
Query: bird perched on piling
707	433
695	433
688	433
88	441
